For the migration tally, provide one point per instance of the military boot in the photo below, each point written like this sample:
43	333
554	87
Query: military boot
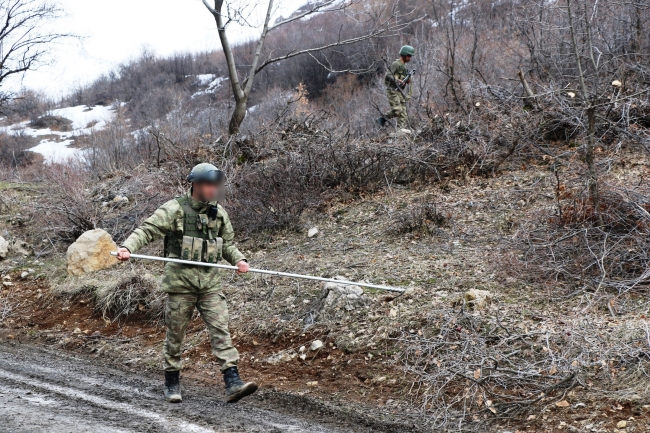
236	389
382	121
173	387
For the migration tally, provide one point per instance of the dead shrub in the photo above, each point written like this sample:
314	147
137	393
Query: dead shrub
421	217
607	248
56	123
116	294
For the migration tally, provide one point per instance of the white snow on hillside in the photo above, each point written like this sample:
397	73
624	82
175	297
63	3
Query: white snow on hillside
56	148
204	79
82	117
212	83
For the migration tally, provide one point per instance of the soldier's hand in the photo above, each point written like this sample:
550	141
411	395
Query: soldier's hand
401	83
243	267
123	254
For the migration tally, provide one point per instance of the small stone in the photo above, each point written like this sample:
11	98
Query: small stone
24	274
6	277
76	331
10	336
478	299
313	383
7	283
303	356
22	248
621	424
389	402
562	403
31	271
616	83
302	349
312	232
315	345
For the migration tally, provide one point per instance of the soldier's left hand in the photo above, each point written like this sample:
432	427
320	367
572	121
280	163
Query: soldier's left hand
243	267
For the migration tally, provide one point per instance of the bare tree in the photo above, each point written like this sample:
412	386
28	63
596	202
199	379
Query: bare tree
24	40
384	23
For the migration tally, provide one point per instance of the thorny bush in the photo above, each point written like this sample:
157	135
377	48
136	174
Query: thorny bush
471	367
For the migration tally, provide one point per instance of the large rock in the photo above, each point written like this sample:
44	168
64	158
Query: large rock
4	248
338	298
91	252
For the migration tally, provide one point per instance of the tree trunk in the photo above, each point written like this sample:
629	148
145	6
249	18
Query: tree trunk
589	158
238	115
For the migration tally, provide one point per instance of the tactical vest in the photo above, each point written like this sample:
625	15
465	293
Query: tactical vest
199	240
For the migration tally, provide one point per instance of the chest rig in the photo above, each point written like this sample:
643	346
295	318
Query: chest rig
198	241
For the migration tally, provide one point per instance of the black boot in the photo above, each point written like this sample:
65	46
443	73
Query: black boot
382	121
173	387
236	389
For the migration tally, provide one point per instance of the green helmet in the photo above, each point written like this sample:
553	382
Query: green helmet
407	50
205	172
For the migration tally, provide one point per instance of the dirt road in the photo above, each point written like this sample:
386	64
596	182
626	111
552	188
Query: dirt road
43	391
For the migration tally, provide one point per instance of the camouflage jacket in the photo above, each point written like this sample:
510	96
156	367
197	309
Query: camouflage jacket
185	278
397	71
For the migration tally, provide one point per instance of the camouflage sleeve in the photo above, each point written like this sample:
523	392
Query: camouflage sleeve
163	221
390	76
230	252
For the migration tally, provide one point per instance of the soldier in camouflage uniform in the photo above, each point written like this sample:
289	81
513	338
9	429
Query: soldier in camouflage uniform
394	83
195	227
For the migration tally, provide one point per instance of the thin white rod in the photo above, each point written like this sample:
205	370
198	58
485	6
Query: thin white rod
263	271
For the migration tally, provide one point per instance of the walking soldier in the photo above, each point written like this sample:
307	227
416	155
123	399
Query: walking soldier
396	79
195	227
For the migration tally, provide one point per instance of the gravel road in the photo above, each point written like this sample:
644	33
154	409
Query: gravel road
43	391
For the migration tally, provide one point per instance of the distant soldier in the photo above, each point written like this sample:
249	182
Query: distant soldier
394	83
197	228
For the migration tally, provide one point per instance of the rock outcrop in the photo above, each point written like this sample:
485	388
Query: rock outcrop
91	252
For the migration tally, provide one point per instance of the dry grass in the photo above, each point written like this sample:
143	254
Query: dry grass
116	294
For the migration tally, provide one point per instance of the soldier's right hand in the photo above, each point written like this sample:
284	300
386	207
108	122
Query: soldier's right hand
123	254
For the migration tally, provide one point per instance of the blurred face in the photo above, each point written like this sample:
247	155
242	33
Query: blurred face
406	59
206	191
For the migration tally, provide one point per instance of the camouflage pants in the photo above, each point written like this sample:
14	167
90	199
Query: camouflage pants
214	311
397	107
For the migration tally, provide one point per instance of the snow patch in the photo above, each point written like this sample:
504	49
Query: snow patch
212	86
204	79
56	149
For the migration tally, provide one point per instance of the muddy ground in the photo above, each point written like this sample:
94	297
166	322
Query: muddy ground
51	391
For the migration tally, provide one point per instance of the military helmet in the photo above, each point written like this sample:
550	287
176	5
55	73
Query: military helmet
205	172
407	50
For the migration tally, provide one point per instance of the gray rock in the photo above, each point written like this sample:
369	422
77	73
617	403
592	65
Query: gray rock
312	232
338	298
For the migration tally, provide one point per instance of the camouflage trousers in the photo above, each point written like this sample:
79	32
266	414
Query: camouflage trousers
397	107
214	311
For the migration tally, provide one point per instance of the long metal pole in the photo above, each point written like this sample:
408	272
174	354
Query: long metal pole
263	271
